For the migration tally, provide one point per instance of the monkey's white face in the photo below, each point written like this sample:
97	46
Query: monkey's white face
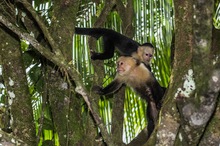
122	68
124	65
147	53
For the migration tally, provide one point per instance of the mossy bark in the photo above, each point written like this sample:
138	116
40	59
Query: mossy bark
18	96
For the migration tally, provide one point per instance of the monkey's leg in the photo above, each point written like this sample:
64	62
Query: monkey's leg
153	111
108	51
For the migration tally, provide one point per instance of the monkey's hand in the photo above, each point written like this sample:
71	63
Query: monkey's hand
98	90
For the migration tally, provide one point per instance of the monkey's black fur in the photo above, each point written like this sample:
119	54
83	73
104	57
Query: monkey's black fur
111	39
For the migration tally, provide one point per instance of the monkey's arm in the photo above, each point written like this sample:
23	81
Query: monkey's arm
109	89
152	111
158	93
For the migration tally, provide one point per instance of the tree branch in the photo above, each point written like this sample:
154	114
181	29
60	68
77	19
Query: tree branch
59	60
98	120
106	10
41	24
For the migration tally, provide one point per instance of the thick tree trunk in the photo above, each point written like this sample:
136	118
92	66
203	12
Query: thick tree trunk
18	104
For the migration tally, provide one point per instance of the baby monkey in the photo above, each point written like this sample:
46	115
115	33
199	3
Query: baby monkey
113	40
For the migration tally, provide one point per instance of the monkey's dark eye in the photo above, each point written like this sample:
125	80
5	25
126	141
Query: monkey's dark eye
120	63
149	55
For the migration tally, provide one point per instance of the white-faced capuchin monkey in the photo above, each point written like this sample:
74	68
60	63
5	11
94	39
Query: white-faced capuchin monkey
133	73
125	45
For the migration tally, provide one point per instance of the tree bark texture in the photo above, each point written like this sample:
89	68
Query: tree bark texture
19	104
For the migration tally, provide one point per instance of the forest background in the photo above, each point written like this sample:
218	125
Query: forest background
46	72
